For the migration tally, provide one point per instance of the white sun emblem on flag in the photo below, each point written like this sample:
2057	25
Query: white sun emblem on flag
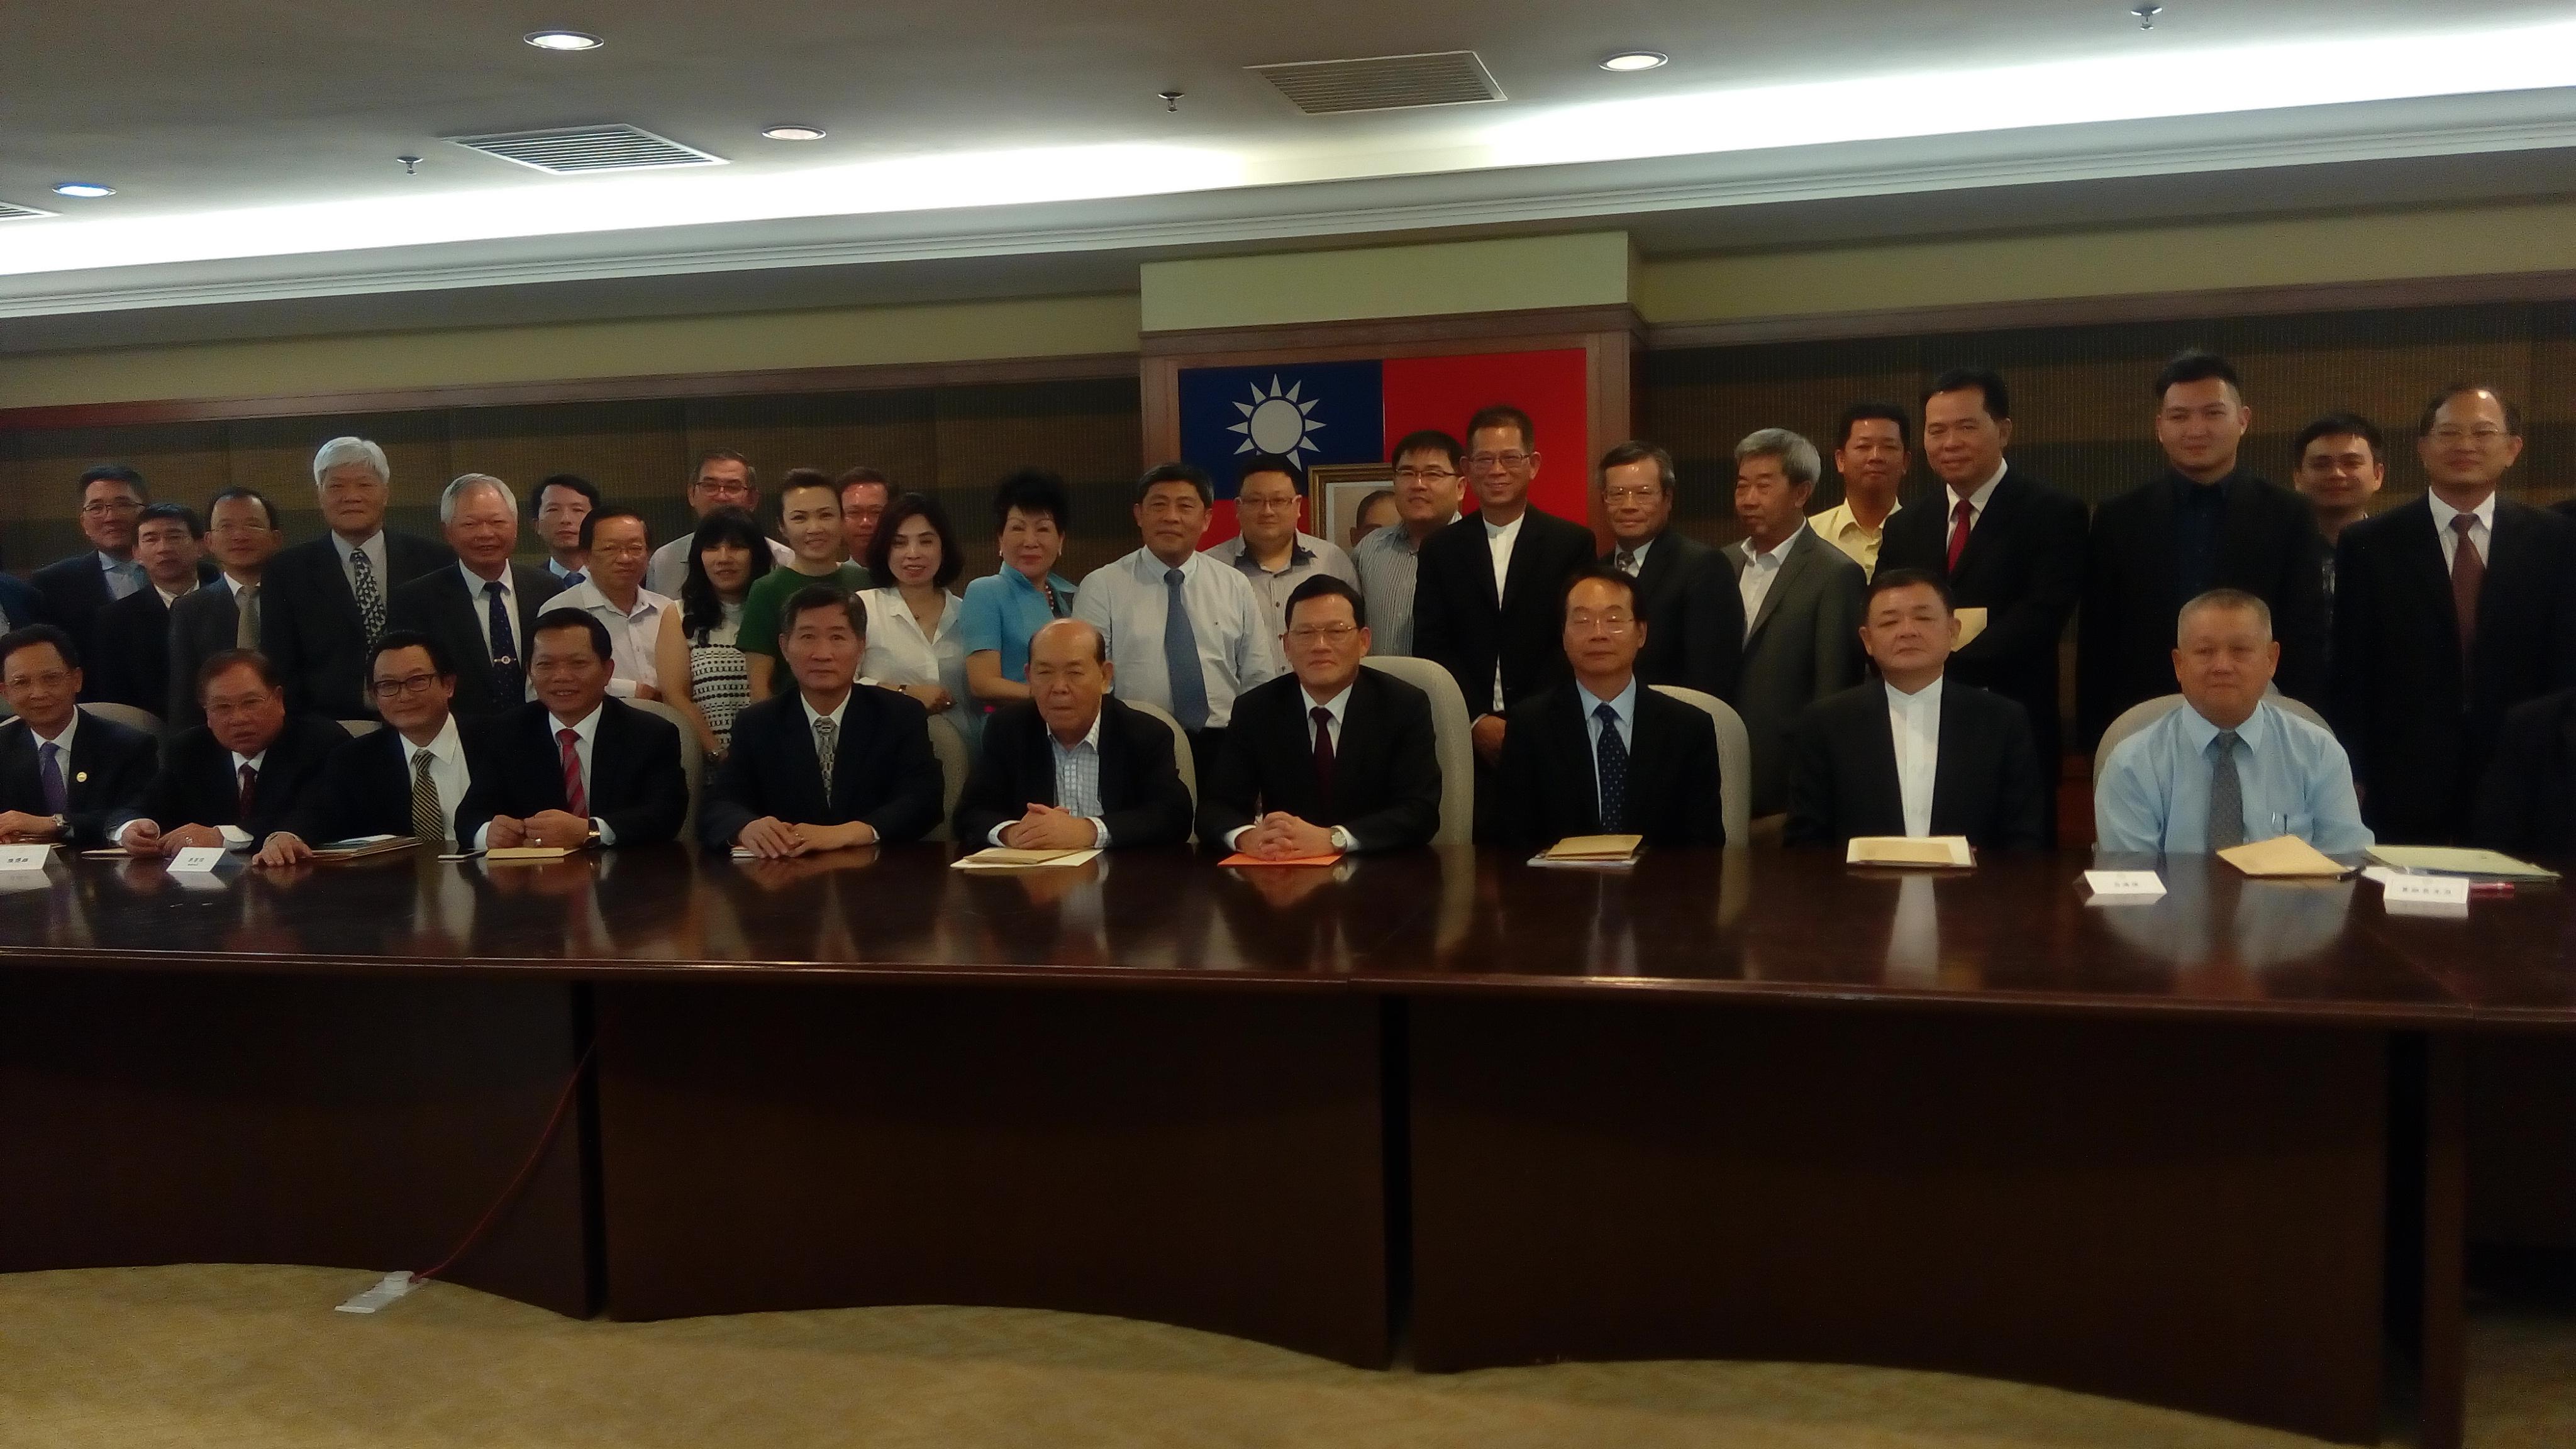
1277	422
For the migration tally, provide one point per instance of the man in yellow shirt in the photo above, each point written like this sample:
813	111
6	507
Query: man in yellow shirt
1872	459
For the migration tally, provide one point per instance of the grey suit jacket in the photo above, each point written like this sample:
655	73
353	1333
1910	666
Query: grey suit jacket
1804	645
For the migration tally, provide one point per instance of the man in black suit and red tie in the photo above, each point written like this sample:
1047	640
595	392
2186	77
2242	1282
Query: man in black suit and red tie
237	778
574	767
323	604
1685	590
2000	540
1331	758
2449	611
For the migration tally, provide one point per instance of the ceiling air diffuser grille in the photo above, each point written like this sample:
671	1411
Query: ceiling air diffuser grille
1383	83
580	150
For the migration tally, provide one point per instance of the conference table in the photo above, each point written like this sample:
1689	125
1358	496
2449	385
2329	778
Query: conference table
2207	1151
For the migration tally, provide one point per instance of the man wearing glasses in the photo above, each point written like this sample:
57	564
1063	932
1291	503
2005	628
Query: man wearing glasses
722	478
1330	759
1273	551
405	779
1427	486
2449	611
112	498
1685	590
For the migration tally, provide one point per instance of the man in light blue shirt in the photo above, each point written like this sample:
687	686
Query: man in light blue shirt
2228	766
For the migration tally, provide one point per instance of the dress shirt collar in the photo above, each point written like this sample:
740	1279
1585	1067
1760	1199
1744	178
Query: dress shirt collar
372	543
586	595
889	604
256	762
1778	555
2443	512
587	726
1239	553
2190	490
1333	706
227	582
168	598
1090	737
812	715
126	566
446	747
1150	568
2251	736
1623	704
1635	550
1499	531
1926	700
70	727
475	583
1977	501
555	566
1397	537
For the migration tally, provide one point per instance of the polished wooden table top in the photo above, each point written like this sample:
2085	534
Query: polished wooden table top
2016	933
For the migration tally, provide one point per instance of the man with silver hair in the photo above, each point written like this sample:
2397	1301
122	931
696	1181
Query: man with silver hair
1802	605
480	609
324	603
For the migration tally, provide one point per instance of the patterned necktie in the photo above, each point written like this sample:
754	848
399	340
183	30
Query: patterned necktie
2468	576
576	799
371	597
2226	795
827	748
507	682
246	616
1628	562
1611	759
49	772
428	812
1960	518
249	791
1181	657
1323	753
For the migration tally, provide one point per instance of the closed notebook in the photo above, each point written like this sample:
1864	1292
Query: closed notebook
1938	851
521	854
2283	856
1594	847
1003	857
358	847
2453	860
1239	858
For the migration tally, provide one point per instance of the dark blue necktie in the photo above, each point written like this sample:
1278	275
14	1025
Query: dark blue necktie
1181	657
49	773
1611	760
507	682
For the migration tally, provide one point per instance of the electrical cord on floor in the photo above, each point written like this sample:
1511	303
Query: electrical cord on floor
527	1169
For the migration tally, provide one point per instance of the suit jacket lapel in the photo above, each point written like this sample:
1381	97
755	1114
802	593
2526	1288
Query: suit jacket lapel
1998	515
2156	541
1516	574
1656	574
1793	568
2422	543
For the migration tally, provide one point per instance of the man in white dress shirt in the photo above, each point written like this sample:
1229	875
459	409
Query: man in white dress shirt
615	543
1186	632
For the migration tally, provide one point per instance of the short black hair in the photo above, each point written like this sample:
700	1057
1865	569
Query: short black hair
590	522
1375	497
1890	580
1592	573
903	510
163	512
1504	415
853	477
31	635
1271	463
750	474
1988	383
258	663
1427	440
2512	414
114	473
393	639
1638	450
795	478
2198	365
1178	472
1033	490
1325	586
254	495
1861	412
2338	425
568	617
818	596
572	482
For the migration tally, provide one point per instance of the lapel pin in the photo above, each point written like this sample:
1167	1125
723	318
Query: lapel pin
80	777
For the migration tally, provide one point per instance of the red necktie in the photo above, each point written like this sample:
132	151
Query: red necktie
249	790
1324	752
2468	576
1960	518
576	799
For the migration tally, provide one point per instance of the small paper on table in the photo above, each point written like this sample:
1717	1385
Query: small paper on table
1003	857
2285	857
1938	851
507	854
1239	858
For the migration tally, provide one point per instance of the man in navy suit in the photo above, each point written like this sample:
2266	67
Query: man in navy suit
112	498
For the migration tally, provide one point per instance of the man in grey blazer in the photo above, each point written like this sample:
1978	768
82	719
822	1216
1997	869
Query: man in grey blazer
1802	605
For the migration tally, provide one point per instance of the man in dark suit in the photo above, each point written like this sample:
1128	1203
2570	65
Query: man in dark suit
1602	753
573	767
242	534
63	774
324	603
2527	803
1499	643
1911	752
2003	543
409	778
238	777
112	497
1684	587
20	605
2205	524
774	797
1331	758
132	636
1071	767
479	611
1802	597
2449	611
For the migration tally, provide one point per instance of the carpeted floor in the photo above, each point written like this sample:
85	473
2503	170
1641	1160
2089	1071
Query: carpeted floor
212	1357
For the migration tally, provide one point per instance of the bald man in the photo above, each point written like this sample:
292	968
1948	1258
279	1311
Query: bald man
1071	767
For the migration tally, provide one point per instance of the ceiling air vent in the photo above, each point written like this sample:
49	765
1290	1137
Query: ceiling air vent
11	211
1383	83
579	150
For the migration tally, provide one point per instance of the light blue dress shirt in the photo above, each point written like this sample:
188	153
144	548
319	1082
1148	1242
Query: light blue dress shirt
1127	601
2294	779
1003	611
1625	707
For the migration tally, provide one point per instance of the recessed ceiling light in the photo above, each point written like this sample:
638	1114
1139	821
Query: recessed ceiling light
793	133
1635	60
82	188
563	40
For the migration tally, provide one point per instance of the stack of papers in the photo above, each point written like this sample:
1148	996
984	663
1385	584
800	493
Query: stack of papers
1939	851
358	847
2449	860
1002	857
2284	857
1592	852
507	854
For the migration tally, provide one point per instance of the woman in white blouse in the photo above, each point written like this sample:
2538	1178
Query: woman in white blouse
913	643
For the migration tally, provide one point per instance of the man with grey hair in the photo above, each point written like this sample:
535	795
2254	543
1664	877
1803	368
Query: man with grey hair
2228	765
479	609
324	603
1802	605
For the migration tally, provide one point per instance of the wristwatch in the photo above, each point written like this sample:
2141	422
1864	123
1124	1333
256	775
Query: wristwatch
591	841
63	825
1344	841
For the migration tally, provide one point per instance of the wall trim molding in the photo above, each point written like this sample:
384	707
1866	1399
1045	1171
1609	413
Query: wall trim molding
1395	336
873	377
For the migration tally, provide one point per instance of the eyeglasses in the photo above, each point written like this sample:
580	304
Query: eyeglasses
1424	475
723	490
104	507
1264	505
1311	633
1631	495
1514	460
50	679
2483	437
412	684
1583	621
